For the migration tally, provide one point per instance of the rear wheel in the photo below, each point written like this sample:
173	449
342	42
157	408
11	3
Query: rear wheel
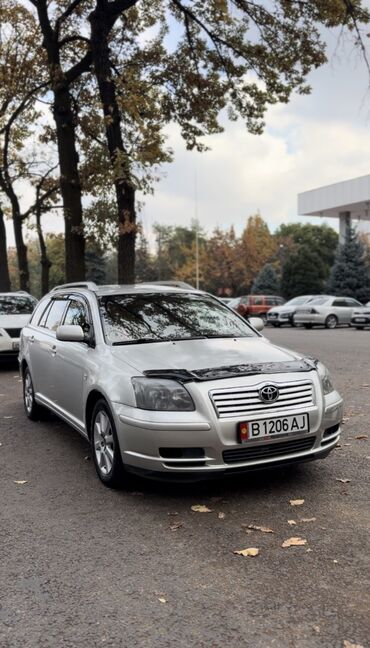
105	447
331	322
360	328
34	411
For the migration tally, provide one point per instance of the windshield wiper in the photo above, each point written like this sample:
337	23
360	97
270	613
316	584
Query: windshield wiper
141	341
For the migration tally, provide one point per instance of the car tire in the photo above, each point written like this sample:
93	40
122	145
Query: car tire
33	411
105	446
292	322
276	324
307	326
359	328
331	322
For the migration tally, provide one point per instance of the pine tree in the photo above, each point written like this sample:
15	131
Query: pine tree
304	273
267	281
350	274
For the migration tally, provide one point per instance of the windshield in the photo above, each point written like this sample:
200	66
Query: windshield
138	318
319	300
16	305
298	300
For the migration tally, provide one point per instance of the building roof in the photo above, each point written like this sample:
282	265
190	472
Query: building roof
330	200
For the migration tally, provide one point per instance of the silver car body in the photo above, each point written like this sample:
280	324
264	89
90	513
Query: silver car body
326	311
361	317
284	314
69	377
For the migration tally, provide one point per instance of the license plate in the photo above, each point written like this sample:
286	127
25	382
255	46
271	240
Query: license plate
15	346
359	319
273	427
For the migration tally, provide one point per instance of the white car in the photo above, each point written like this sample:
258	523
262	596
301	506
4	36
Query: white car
172	383
361	317
15	310
328	311
285	314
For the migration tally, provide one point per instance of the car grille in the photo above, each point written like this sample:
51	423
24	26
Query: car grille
245	400
267	450
13	332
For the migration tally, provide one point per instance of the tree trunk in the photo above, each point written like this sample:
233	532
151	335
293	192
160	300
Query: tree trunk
4	268
44	259
70	185
125	190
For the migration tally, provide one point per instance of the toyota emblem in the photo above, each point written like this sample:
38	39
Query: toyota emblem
269	394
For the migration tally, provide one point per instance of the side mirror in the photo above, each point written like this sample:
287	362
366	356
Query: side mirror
70	333
257	323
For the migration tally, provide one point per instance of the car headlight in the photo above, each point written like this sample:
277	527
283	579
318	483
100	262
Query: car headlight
326	381
162	395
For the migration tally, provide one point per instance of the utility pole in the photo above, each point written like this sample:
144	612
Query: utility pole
196	225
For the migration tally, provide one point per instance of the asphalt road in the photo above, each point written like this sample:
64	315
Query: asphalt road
83	566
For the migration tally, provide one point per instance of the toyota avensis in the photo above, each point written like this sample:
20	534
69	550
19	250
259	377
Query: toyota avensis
172	383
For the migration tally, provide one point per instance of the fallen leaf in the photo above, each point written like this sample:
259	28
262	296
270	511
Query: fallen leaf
260	528
361	436
20	481
308	519
346	444
317	629
344	481
7	417
294	542
335	561
200	508
297	502
175	526
251	551
162	599
345	418
348	644
308	550
221	516
292	522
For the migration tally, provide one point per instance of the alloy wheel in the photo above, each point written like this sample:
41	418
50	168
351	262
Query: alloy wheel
103	443
28	393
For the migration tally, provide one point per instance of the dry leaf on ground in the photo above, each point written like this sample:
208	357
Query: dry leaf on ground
292	522
20	481
175	526
294	542
200	508
162	599
221	516
7	417
361	436
260	528
251	551
343	480
297	502
313	519
348	644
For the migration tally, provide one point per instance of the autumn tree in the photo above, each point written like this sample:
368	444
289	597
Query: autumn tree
258	246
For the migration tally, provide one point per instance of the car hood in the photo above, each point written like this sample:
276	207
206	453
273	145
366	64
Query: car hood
14	321
192	355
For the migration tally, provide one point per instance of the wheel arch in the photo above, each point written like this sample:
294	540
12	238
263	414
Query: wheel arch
94	396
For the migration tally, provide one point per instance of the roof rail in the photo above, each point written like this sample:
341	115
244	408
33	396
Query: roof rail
90	285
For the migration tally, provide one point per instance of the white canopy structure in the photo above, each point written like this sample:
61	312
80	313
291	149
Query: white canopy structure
345	200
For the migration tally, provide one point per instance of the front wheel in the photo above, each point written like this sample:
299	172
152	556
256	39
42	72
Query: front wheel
360	328
33	411
331	322
105	447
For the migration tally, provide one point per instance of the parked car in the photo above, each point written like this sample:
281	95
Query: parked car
15	311
326	311
255	305
285	314
361	317
172	383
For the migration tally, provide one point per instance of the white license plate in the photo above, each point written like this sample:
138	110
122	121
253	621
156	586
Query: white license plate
359	319
273	427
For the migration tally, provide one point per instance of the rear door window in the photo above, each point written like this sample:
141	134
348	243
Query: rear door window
340	302
55	314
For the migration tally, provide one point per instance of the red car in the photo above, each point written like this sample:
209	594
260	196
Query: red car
255	305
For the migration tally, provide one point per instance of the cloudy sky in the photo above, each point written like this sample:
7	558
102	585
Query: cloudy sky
314	140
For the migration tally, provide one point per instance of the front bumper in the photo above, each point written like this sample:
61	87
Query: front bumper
9	347
360	320
195	445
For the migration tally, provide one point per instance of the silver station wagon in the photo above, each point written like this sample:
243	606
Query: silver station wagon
168	383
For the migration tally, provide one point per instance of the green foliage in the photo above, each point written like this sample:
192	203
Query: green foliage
95	264
350	274
267	281
304	273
